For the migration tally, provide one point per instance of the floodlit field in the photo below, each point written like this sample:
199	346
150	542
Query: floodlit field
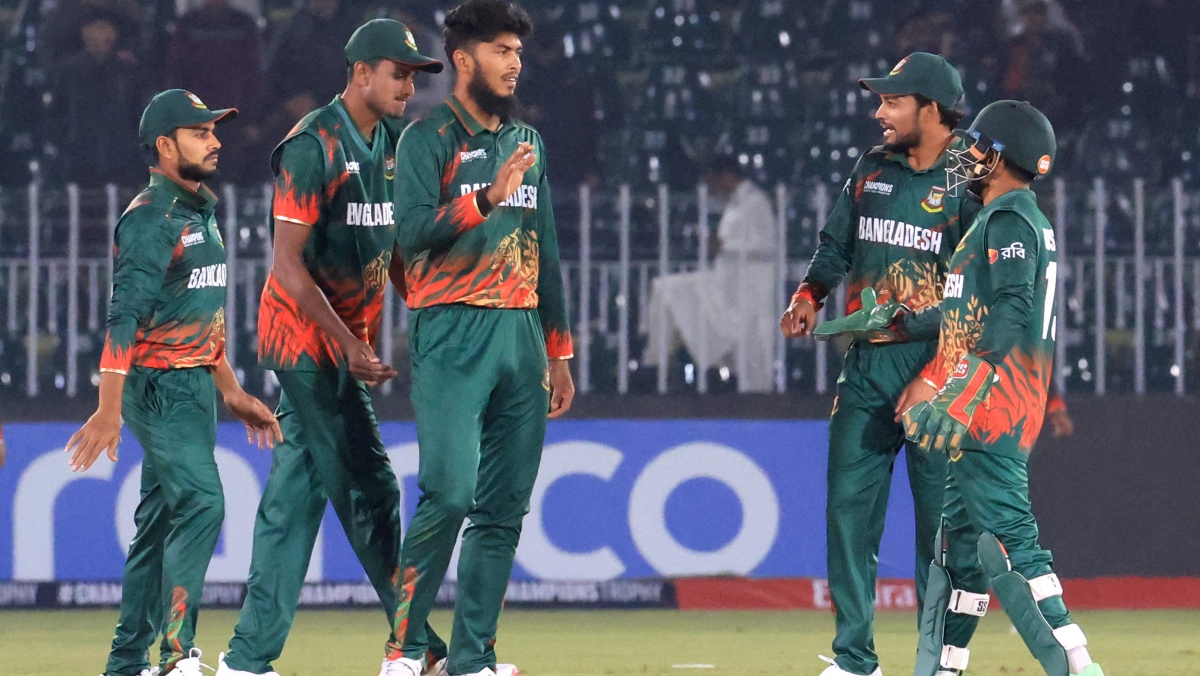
569	643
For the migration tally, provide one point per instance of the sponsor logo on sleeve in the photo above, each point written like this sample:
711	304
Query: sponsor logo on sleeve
1014	250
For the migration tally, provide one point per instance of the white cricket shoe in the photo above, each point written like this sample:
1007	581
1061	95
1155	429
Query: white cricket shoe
190	665
225	670
834	670
402	666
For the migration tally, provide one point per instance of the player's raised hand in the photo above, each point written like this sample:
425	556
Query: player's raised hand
366	366
262	428
511	173
101	432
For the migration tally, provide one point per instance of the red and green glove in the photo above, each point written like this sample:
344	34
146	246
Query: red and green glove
875	322
938	426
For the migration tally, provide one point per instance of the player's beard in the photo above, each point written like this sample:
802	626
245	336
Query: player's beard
504	107
190	171
904	143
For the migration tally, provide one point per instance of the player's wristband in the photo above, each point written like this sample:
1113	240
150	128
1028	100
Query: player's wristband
809	293
481	202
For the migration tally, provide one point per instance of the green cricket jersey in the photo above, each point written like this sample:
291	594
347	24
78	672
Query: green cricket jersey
999	306
452	254
332	179
892	229
168	301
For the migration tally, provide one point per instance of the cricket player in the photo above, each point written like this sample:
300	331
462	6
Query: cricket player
319	319
162	365
489	337
891	232
993	366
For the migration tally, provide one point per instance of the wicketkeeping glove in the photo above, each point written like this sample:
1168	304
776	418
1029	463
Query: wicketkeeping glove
938	426
874	323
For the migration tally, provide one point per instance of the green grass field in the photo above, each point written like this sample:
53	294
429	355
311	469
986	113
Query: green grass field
575	643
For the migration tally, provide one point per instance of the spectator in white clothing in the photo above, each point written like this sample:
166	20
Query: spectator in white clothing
724	314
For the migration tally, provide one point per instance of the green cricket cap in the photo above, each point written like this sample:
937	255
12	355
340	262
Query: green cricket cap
388	39
921	73
177	108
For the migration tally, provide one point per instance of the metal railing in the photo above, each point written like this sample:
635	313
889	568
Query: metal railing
1128	316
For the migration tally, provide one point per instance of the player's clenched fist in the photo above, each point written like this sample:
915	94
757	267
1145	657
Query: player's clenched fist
511	173
799	319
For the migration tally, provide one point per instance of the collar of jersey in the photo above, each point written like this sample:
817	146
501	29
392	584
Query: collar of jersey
472	125
340	106
204	200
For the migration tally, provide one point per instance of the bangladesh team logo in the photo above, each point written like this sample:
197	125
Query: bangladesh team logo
898	67
389	167
409	40
934	202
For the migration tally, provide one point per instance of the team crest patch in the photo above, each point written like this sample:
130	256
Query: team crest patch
389	167
409	40
934	201
993	255
196	102
899	67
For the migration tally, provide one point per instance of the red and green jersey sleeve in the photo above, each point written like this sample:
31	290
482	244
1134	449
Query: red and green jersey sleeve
169	279
452	253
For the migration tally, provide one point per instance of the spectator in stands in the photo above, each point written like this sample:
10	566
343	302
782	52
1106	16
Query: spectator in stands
305	64
225	40
94	103
1044	61
724	316
61	37
560	104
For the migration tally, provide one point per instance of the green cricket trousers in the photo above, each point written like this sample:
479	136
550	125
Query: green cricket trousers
332	452
481	394
864	440
173	415
989	492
